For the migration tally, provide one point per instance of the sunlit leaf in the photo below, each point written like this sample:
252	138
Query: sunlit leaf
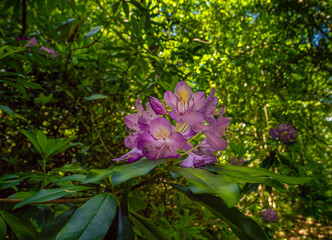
92	32
127	171
202	181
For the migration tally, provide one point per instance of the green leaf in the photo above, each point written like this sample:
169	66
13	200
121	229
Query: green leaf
92	32
202	181
125	8
95	97
262	172
3	228
21	195
127	171
59	146
22	229
75	177
141	24
92	220
45	99
164	85
7	110
51	230
10	51
50	194
42	141
148	229
134	24
33	140
241	177
115	7
136	203
95	175
243	226
10	112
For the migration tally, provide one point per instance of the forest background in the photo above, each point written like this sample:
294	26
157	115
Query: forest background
73	69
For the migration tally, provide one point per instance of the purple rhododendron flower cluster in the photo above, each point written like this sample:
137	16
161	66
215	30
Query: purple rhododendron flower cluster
153	136
283	131
32	42
234	161
270	215
51	51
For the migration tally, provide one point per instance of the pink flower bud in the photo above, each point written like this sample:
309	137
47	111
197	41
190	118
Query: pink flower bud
157	106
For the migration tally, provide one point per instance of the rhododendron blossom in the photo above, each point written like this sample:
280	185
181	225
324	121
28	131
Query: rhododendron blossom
270	215
285	132
198	133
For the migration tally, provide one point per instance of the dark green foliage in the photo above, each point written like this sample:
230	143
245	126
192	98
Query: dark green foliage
61	117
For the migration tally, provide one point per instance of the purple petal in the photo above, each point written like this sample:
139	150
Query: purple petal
168	152
188	162
177	140
183	91
150	111
145	139
192	118
139	107
198	99
219	127
194	160
132	156
170	100
130	141
175	116
205	148
157	106
218	143
160	128
131	121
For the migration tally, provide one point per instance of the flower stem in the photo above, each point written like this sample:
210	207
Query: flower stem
190	150
194	137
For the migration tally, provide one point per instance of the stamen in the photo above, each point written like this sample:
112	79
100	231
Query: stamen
183	126
184	129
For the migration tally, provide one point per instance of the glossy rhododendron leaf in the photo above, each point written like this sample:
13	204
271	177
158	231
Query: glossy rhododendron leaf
261	172
23	230
50	194
3	228
96	175
92	220
51	230
243	226
127	171
202	181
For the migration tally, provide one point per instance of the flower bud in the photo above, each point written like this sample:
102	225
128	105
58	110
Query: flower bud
157	106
